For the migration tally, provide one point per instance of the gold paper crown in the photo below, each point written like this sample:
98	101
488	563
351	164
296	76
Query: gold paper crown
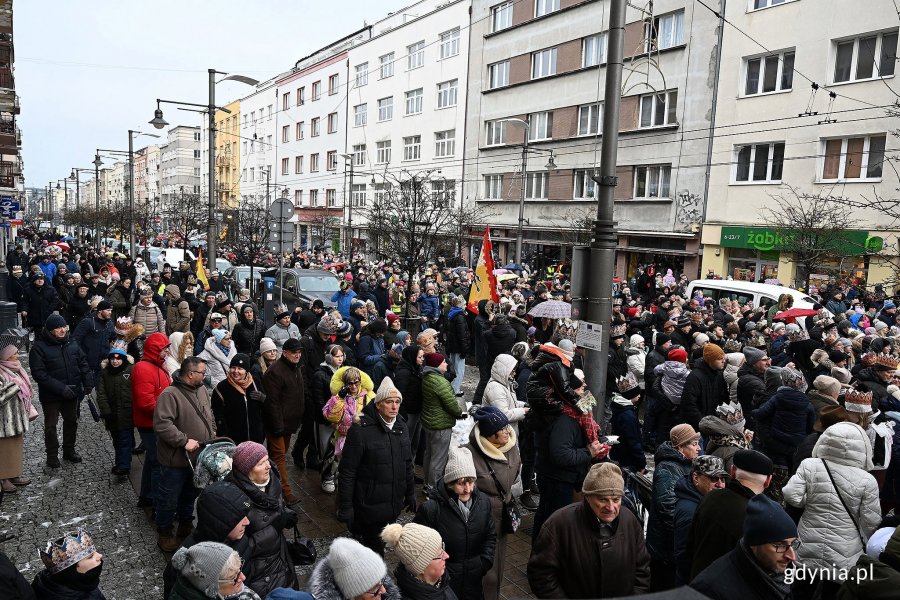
858	397
627	383
886	360
617	331
66	551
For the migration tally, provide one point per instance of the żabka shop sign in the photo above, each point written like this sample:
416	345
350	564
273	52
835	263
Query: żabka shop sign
765	239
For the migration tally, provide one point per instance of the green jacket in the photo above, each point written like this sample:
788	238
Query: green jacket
440	410
114	396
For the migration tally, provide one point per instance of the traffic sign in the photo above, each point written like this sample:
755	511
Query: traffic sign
281	209
9	207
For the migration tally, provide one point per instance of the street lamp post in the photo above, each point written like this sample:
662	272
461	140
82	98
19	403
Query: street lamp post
65	188
76	177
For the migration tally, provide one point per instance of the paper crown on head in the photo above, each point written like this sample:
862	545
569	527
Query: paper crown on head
628	385
64	552
798	336
730	412
886	362
617	331
857	401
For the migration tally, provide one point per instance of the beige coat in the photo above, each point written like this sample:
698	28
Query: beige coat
182	413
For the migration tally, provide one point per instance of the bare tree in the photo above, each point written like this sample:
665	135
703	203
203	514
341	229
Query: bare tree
252	225
185	216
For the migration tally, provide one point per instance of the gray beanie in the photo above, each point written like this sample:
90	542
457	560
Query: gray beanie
773	376
356	568
459	465
753	355
202	564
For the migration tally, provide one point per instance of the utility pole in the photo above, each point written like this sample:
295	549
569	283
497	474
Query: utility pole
519	232
97	163
211	181
131	193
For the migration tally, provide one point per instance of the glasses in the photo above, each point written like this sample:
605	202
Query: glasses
199	372
234	580
781	547
378	589
216	320
715	478
443	552
353	382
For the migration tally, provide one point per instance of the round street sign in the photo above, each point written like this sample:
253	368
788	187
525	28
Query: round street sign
281	209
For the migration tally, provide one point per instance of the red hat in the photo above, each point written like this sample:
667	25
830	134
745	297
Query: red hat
678	355
392	317
434	359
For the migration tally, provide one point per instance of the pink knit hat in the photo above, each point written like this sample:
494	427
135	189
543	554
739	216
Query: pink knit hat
246	455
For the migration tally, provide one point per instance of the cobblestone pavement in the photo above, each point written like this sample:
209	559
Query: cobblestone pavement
87	495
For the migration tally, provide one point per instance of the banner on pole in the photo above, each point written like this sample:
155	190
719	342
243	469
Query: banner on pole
484	286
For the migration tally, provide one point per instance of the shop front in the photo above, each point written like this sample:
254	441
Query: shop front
676	251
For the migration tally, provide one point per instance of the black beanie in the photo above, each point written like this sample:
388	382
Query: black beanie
766	522
662	338
220	507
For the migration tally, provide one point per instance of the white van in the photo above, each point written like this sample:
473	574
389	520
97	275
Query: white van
758	294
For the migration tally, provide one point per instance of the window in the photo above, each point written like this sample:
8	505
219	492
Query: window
447	93
387	66
545	7
301	96
540	126
543	63
593	50
313	198
414	102
659	109
285	101
585	186
252	173
316	90
589	119
298	197
333	84
415	55
358	194
664	32
196	154
331	160
313	164
652	181
498	74
444	143
359	115
299	130
361	73
493	186
285	166
298	164
865	57
450	43
253	116
386	109
412	147
245	148
379	190
330	197
766	3
383	151
494	130
536	185
759	163
772	73
245	121
359	155
332	122
853	158
501	16
444	191
315	127
285	133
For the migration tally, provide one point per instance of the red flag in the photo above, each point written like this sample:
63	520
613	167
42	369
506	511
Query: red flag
484	286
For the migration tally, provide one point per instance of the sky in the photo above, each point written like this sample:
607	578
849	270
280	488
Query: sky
87	71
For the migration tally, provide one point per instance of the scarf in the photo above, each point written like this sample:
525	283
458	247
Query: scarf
13	371
585	421
242	384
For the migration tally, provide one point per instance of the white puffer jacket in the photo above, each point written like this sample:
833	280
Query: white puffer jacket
500	393
827	533
217	362
637	358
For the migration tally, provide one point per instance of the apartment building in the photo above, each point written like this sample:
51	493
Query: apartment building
257	141
537	70
777	139
179	164
12	182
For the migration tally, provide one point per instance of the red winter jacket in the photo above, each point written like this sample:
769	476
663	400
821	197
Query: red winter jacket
148	380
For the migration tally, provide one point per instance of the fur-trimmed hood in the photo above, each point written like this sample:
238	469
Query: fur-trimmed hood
323	587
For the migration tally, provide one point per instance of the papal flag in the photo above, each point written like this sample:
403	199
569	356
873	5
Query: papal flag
201	272
484	287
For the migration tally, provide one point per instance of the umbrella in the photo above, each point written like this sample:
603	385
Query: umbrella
552	309
792	314
507	276
500	271
514	267
68	238
460	269
62	245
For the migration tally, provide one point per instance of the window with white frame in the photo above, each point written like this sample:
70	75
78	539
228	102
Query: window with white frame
358	194
770	73
285	133
361	74
659	109
589	116
331	158
313	198
501	16
666	31
444	143
449	43
498	74
330	197
537	185
759	163
359	154
285	100
540	126
301	96
316	90
415	55
332	122
315	127
253	116
447	92
412	147
543	63
383	152
386	68
444	191
865	57
545	7
652	181
359	115
414	101
298	197
252	173
585	186
333	84
757	4
493	186
245	148
269	111
859	158
298	165
593	50
285	166
386	109
379	190
314	163
298	133
494	132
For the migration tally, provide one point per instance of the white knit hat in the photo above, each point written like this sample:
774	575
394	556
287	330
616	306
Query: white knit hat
459	465
266	344
416	545
386	390
356	568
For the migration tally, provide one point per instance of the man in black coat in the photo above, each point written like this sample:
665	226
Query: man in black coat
93	335
498	340
655	357
40	301
457	340
61	371
15	288
751	381
303	318
704	388
482	324
376	474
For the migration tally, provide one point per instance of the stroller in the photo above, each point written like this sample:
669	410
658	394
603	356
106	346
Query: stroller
638	496
213	462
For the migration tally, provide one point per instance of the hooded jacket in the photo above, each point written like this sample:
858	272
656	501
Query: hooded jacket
637	360
750	384
247	334
114	395
500	390
457	332
237	416
148	380
671	465
408	379
56	365
722	438
629	452
178	313
828	533
217	361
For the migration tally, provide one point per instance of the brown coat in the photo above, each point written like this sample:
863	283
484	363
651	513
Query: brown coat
182	412
570	559
285	397
178	313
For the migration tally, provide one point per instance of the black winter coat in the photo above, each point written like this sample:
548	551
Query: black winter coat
458	334
237	416
498	340
704	390
718	524
56	365
40	302
320	392
549	381
246	335
790	416
628	452
562	452
94	335
15	291
47	588
413	588
114	396
735	577
376	474
76	309
471	544
12	585
408	379
654	358
750	383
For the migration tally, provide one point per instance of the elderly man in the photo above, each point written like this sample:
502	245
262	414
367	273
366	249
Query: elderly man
283	409
755	567
592	548
707	474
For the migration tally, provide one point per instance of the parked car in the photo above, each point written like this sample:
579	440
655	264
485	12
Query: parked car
759	294
299	287
237	277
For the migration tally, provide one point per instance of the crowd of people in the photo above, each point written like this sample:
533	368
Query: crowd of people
734	445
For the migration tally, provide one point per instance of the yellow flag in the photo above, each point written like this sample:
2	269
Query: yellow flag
201	273
484	286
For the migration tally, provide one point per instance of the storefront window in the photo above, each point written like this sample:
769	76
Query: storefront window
751	265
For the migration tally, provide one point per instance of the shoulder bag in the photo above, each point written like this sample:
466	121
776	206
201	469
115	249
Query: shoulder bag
301	549
511	513
844	504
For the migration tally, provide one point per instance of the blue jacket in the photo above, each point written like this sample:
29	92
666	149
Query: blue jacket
428	307
687	498
343	300
93	336
791	417
369	350
49	270
628	452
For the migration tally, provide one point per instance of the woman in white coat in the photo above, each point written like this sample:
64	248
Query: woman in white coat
637	357
218	352
501	390
831	537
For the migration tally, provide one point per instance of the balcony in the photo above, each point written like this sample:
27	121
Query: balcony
9	171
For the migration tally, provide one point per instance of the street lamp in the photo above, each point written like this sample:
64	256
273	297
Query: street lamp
97	163
159	122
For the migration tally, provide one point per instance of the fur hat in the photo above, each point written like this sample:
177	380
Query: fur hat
416	545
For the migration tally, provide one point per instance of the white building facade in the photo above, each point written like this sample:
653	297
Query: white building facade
257	142
179	166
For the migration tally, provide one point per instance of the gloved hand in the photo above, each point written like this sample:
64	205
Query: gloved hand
68	393
410	505
289	519
342	393
346	517
256	396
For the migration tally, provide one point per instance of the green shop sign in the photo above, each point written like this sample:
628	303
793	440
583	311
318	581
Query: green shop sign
765	239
